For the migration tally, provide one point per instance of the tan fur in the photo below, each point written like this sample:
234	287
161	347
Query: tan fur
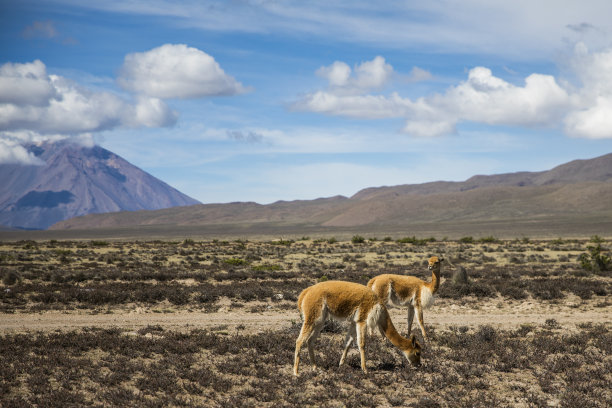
356	304
401	290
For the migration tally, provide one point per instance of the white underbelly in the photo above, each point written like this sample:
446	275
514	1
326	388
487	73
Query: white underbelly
427	298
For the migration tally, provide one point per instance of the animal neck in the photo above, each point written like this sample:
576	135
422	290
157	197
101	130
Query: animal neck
435	280
391	333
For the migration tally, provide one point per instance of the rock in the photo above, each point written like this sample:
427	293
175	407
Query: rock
460	276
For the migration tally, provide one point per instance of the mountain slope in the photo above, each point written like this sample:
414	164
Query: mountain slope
77	180
581	188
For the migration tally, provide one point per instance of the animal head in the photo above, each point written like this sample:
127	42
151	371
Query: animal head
434	262
413	353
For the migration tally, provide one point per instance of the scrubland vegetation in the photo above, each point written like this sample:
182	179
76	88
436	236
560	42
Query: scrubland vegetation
546	364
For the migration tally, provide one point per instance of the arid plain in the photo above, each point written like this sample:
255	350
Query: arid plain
214	323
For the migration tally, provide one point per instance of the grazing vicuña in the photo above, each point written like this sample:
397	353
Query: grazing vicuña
356	304
401	290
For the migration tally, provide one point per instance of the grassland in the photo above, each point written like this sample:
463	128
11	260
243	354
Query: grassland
213	323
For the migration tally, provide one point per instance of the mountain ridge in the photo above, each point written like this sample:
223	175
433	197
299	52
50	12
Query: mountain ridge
77	180
575	189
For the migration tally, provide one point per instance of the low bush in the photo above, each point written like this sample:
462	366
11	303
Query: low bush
594	260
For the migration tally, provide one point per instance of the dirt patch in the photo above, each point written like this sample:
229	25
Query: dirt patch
443	316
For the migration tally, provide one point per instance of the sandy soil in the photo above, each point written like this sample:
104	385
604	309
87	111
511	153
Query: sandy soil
503	315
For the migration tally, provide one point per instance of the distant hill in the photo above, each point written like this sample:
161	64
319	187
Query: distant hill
77	180
572	191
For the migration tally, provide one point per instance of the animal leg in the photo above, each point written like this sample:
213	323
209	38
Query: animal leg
305	335
410	318
315	334
419	316
350	337
361	333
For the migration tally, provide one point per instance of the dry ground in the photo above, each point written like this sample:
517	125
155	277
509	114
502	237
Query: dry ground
213	323
444	314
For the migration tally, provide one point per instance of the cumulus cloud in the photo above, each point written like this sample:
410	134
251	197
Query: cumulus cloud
176	71
347	91
583	109
26	84
488	99
34	100
594	122
12	152
355	106
592	116
366	76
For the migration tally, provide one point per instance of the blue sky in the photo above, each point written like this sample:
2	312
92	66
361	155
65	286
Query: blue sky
281	100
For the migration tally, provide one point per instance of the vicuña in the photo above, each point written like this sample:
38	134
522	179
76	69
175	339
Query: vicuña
401	290
356	304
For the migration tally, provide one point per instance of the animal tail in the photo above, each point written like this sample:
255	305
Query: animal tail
300	302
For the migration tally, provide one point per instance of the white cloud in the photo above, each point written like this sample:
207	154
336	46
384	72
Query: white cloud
585	108
337	73
346	93
26	84
176	71
367	75
430	128
33	100
472	26
151	112
485	98
595	122
11	152
419	74
592	117
354	106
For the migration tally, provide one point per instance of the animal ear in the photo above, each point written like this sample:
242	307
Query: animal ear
441	259
413	341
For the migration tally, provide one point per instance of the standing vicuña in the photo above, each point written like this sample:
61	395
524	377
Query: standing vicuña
401	290
356	304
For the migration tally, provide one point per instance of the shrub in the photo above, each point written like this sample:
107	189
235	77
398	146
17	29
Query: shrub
595	261
513	292
467	240
283	242
357	239
266	267
415	241
235	261
10	278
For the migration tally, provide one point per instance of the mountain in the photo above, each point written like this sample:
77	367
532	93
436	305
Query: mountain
572	193
77	180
